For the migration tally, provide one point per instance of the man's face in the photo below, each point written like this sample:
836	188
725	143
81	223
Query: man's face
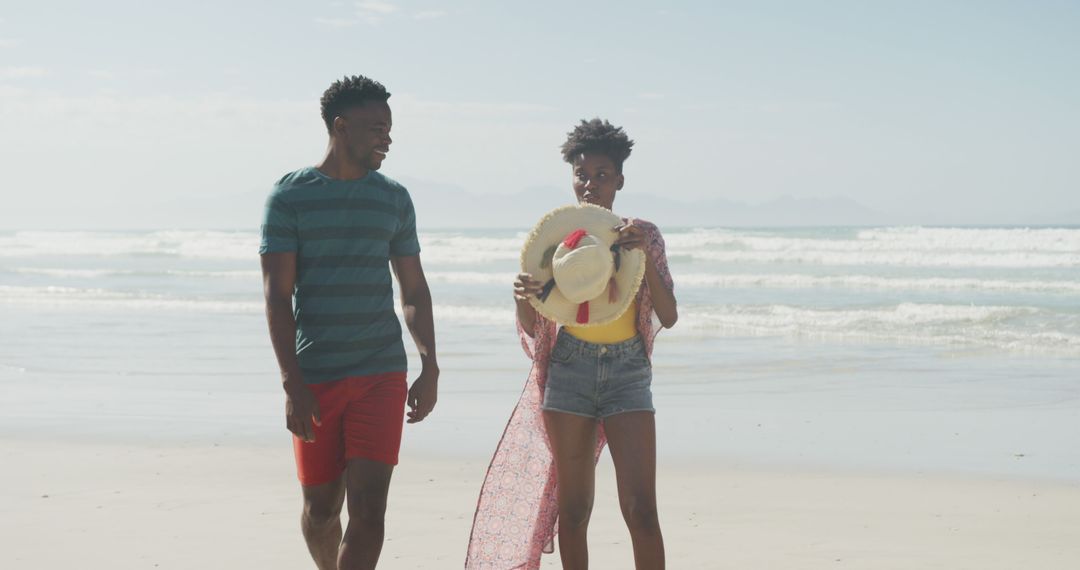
365	132
596	180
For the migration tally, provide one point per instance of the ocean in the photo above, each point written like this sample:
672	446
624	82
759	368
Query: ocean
892	348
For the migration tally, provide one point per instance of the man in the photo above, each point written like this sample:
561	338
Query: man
330	236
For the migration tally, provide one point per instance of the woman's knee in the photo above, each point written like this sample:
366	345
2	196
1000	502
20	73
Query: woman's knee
575	514
640	514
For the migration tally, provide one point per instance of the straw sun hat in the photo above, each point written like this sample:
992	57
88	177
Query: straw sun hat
587	281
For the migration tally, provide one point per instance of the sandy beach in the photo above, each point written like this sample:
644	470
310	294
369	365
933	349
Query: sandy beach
203	506
810	415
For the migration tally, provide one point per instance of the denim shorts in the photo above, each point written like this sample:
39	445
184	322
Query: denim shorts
598	380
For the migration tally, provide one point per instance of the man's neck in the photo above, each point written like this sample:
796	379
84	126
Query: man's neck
336	165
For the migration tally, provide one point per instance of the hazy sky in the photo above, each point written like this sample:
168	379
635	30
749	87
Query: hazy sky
152	114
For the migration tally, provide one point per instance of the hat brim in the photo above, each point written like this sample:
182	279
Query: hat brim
599	222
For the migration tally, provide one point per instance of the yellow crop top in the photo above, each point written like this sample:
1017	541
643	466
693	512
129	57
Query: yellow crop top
622	328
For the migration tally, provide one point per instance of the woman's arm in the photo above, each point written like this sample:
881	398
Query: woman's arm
635	236
524	286
663	298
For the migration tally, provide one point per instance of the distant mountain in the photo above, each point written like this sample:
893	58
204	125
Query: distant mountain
1064	219
441	206
448	206
784	211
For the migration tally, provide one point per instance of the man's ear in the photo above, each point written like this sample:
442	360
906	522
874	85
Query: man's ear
619	184
339	126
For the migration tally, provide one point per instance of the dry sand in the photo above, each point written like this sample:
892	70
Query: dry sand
88	506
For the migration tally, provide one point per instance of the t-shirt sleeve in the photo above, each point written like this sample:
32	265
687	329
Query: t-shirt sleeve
279	227
405	243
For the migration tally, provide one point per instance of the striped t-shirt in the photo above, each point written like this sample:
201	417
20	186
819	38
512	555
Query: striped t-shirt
344	233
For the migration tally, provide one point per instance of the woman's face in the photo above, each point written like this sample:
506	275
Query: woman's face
595	179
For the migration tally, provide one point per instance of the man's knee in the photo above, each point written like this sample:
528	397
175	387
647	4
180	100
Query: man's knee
321	513
368	508
367	485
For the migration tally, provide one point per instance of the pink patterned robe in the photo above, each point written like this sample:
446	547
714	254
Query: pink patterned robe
517	509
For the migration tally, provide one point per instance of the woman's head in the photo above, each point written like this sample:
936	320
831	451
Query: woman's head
596	151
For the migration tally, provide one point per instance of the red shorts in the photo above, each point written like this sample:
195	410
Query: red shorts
362	417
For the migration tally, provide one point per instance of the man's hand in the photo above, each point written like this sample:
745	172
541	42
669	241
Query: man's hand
422	395
301	411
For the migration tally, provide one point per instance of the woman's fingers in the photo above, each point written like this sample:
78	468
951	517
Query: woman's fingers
525	285
630	236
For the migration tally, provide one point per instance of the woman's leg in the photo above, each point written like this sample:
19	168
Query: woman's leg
631	437
573	445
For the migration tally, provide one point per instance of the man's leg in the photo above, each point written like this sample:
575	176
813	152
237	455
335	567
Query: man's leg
367	484
321	521
373	424
321	467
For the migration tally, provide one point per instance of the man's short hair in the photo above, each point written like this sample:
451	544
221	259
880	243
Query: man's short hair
349	92
598	136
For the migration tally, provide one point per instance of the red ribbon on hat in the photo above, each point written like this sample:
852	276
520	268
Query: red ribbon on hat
573	238
571	242
583	313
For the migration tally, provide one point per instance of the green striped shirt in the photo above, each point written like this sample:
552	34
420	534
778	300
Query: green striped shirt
344	233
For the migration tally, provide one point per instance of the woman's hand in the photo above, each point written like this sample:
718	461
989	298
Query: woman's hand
525	285
630	236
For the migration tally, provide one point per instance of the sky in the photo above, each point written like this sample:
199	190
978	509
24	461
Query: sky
135	115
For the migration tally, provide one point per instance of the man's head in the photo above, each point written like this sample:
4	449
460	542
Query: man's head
358	119
596	151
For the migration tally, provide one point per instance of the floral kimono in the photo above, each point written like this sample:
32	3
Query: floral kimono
518	506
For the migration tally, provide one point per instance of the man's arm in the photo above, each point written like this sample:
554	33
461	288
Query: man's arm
279	279
416	308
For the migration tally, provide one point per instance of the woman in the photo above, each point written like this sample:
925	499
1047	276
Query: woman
544	466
